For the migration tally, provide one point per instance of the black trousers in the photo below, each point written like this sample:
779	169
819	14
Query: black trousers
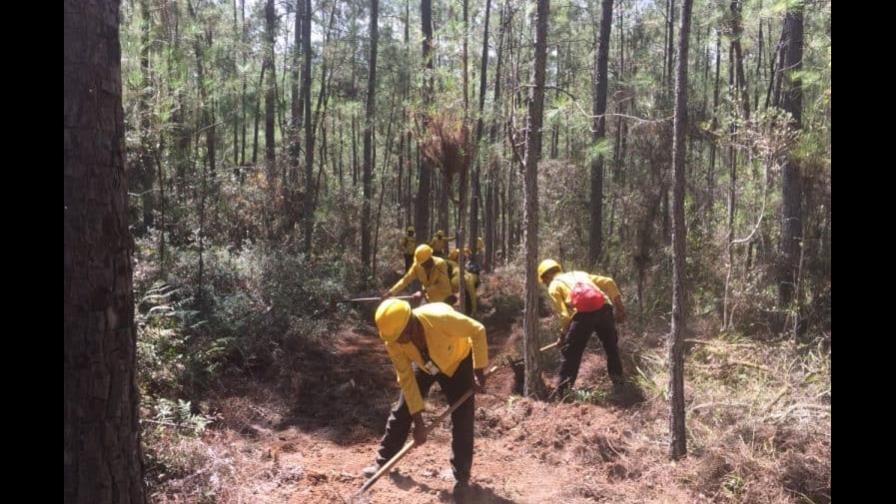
408	261
580	329
399	424
465	309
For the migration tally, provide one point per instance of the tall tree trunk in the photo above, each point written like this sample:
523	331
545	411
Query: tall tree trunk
370	117
404	194
354	149
102	457
182	141
502	196
714	144
322	101
270	98
791	180
399	184
280	91
776	60
244	50
743	94
203	192
264	67
480	125
493	238
620	105
208	118
533	384
667	91
678	444
465	40
144	170
759	67
602	54
464	172
162	208
297	105
309	131
670	45
489	221
338	120
444	209
732	190
504	21
424	179
235	75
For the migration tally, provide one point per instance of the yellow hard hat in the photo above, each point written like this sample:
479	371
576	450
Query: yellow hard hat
454	254
391	318
410	229
547	266
440	233
422	254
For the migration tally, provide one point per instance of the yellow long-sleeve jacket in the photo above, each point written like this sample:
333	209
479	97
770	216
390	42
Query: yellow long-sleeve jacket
469	282
407	244
440	245
450	336
562	284
436	285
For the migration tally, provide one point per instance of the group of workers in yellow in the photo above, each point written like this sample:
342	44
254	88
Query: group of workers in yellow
438	273
434	343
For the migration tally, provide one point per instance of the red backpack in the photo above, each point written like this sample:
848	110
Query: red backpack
585	297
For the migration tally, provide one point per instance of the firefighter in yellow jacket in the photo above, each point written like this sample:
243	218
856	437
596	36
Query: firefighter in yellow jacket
432	343
439	244
471	280
432	272
408	244
604	309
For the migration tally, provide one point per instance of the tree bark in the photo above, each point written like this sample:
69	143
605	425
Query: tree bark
678	444
533	385
309	132
602	54
791	180
370	117
270	99
424	178
102	457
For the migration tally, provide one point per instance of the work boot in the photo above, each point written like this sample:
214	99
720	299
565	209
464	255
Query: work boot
462	492
619	384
